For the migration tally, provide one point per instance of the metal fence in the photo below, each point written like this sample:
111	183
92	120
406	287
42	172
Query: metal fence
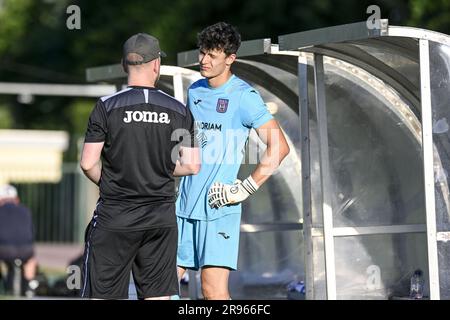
59	210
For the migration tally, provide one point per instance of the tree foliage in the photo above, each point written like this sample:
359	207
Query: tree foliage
36	45
433	15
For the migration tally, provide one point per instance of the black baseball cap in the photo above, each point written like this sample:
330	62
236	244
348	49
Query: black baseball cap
144	45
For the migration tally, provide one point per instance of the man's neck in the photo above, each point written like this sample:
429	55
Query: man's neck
220	79
140	82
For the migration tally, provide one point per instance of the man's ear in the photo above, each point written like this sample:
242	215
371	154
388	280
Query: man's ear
230	59
124	66
157	65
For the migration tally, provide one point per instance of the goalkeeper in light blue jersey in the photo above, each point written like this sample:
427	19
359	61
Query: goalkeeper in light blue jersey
225	109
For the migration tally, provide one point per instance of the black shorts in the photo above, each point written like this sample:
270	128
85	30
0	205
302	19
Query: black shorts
111	256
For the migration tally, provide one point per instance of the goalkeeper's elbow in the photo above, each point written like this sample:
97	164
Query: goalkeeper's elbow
284	151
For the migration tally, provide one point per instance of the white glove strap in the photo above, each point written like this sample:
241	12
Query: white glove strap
250	185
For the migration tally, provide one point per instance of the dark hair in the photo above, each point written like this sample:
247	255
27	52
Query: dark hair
221	36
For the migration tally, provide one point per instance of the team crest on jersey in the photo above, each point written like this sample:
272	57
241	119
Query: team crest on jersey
222	105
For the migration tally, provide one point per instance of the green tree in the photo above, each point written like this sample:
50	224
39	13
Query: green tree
433	15
36	45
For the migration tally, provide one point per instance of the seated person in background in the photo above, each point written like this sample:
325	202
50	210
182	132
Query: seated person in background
16	240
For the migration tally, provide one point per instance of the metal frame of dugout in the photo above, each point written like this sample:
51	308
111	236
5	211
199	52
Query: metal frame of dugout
374	110
365	112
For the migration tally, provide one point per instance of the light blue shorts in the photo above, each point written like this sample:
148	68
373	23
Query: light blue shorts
208	243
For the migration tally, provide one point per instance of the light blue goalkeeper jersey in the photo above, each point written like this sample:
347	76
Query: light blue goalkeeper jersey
223	117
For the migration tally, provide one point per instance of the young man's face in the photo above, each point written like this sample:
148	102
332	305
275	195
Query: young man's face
214	62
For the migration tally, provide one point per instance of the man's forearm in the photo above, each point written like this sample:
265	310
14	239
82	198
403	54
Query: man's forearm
221	194
182	170
270	161
94	173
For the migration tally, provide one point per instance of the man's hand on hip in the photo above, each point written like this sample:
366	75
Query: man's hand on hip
221	194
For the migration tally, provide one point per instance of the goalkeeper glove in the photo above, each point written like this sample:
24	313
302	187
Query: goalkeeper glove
221	194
